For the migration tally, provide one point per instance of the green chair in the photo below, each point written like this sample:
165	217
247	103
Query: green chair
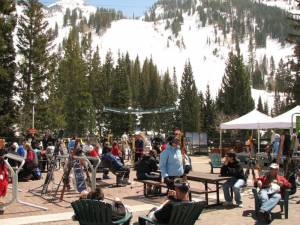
93	212
184	213
283	203
243	157
215	161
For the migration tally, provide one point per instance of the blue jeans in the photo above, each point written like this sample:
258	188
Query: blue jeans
268	202
236	185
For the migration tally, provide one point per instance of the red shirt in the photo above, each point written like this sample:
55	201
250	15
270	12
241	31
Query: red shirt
94	153
115	150
281	179
3	179
30	155
163	146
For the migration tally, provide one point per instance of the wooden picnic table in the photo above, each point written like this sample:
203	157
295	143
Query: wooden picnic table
208	178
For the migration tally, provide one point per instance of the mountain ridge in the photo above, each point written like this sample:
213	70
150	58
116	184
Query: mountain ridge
152	40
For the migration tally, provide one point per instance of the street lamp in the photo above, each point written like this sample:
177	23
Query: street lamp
33	112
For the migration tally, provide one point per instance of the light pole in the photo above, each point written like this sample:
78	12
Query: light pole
33	113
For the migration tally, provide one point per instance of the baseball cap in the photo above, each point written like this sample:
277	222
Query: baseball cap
274	166
182	184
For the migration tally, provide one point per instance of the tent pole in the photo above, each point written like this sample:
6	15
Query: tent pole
258	138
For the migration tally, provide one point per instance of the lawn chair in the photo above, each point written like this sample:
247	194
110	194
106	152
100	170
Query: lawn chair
93	212
215	161
284	202
243	158
184	213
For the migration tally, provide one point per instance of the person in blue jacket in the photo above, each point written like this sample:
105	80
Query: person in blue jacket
21	150
171	163
115	165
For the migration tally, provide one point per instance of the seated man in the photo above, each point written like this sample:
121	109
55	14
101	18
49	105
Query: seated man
145	170
106	148
233	168
146	166
115	165
118	208
162	214
272	188
30	164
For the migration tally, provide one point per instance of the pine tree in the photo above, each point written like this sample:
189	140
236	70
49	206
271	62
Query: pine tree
264	65
280	77
95	79
294	38
108	76
34	42
272	67
234	97
152	94
257	78
120	98
251	57
266	108
67	17
189	108
135	82
74	17
277	105
7	68
296	89
75	86
175	85
167	99
209	122
55	102
260	105
56	30
144	84
202	112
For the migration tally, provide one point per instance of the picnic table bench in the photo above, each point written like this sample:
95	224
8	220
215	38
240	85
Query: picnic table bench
164	185
207	178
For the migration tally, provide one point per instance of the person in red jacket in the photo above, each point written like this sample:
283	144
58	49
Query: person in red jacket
115	149
271	191
95	151
3	175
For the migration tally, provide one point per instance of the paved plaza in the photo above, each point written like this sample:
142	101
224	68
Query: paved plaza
60	212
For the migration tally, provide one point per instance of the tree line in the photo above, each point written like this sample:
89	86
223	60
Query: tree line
239	18
69	88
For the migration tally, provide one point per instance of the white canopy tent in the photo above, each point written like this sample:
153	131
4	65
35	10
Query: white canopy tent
284	121
253	120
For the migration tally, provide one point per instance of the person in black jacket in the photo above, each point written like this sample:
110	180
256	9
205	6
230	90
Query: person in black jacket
163	213
118	208
233	168
146	167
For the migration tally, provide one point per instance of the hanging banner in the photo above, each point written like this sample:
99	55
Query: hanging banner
298	124
139	111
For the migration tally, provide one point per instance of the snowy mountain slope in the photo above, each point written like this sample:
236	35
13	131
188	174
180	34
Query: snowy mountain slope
55	12
150	39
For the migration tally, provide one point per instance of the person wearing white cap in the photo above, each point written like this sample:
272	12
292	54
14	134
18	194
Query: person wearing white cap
271	188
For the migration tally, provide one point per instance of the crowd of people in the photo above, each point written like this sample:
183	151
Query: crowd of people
163	160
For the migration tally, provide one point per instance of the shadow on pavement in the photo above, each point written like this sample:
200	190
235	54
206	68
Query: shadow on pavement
259	220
